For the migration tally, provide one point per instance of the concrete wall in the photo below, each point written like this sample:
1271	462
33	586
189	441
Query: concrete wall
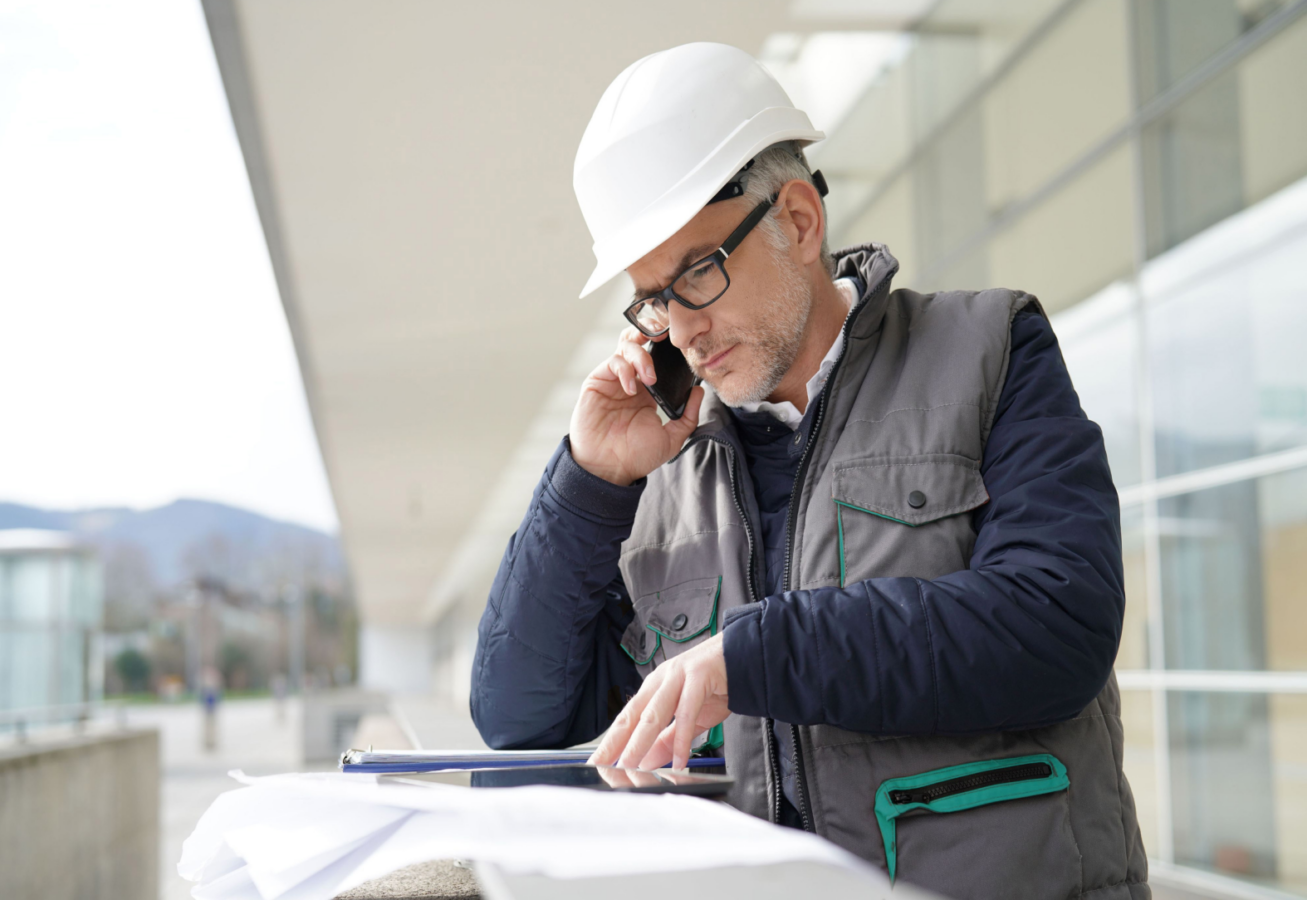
79	818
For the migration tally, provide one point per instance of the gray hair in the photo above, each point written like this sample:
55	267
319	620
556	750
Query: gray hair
771	169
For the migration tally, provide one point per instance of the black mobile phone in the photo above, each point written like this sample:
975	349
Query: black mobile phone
674	378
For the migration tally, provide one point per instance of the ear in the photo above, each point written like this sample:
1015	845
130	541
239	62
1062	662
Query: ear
802	206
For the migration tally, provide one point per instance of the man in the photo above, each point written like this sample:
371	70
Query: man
876	565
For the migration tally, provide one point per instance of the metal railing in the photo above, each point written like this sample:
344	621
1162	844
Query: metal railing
18	722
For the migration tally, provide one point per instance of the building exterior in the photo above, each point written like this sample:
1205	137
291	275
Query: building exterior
51	608
1137	164
1141	166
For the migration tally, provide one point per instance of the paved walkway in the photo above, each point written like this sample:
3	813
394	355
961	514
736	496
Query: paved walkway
251	736
254	738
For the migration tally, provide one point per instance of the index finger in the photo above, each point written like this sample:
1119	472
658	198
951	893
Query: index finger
632	335
618	733
653	720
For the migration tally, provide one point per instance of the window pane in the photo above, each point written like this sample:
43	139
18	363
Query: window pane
1283	512
1133	653
1234	575
1193	168
1139	762
1289	748
1238	139
1212	579
1222	787
1225	342
1239	785
1175	37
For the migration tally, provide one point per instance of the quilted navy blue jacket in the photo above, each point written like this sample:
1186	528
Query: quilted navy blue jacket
985	649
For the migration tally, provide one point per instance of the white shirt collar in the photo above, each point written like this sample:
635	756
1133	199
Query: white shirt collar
786	411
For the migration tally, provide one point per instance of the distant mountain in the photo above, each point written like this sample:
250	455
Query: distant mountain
194	537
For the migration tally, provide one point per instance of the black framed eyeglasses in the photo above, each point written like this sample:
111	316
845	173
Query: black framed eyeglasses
701	284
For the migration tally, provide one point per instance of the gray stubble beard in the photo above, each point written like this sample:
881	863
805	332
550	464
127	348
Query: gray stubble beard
779	337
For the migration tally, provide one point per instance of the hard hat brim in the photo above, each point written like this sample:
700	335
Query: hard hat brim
677	206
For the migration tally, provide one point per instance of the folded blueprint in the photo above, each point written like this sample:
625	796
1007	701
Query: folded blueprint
313	836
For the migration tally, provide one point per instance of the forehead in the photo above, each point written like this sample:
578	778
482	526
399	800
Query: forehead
697	238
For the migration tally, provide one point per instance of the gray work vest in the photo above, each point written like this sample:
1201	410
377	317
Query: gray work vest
1043	813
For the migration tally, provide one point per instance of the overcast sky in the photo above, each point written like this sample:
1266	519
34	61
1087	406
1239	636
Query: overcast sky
144	355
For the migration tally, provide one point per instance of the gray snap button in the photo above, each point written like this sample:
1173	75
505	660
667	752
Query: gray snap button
798	437
916	499
679	622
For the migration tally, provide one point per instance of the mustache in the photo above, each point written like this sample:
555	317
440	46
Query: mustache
703	350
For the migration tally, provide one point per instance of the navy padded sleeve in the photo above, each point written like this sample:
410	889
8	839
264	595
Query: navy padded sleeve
549	670
1024	637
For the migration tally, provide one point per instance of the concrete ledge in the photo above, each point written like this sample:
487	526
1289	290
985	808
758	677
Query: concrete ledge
79	818
439	880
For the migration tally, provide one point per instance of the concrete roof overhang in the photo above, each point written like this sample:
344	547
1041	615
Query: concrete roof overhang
411	163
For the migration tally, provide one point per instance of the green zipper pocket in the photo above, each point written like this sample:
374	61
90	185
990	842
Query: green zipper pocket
964	787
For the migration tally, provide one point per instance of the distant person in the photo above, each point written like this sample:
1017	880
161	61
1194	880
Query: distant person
210	697
876	564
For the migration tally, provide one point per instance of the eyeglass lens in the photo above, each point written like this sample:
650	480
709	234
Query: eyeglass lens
698	285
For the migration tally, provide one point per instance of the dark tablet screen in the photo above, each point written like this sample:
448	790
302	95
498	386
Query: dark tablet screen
602	778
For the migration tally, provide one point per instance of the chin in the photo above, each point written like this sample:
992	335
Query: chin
732	390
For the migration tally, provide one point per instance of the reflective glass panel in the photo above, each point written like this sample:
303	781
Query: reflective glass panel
1239	138
1193	166
1225	332
1289	751
1140	762
1239	783
1175	37
1222	793
1234	575
1133	652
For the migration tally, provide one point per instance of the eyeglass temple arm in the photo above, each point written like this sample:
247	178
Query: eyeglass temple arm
733	239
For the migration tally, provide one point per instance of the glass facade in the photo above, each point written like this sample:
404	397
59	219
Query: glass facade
51	601
1141	166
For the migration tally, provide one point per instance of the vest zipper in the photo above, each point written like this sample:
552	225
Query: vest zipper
800	773
931	792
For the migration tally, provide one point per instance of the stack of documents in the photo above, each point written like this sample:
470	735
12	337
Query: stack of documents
312	836
384	761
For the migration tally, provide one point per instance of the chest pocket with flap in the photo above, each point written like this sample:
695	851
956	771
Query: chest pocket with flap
670	621
901	516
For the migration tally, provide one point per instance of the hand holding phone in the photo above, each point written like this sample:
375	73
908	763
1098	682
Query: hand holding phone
616	433
674	378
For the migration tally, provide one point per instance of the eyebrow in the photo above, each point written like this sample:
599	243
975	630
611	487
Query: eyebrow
693	255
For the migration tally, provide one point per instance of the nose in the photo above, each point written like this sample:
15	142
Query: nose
686	325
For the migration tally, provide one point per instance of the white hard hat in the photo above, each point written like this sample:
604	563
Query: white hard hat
667	135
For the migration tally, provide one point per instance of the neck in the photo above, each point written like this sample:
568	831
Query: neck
824	324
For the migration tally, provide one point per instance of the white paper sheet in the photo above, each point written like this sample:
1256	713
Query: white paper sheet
312	836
